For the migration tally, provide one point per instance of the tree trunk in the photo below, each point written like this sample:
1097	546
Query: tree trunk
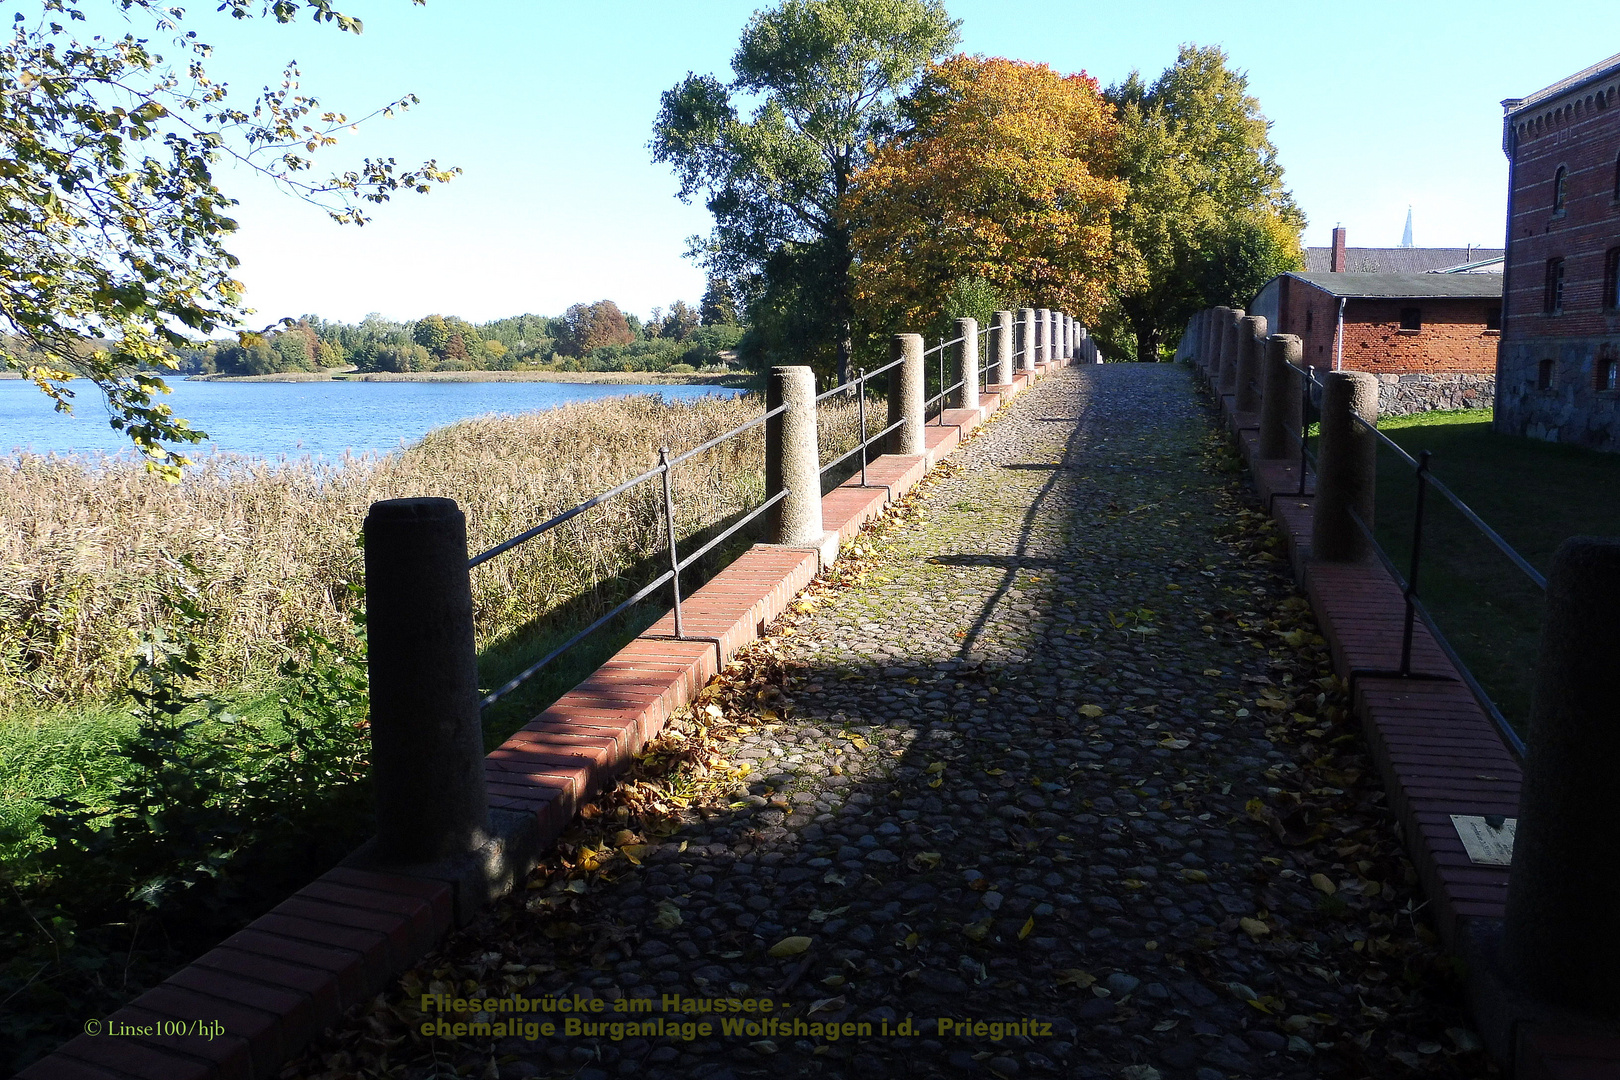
1147	345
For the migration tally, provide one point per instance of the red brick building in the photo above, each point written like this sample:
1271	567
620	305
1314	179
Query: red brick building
1431	338
1558	370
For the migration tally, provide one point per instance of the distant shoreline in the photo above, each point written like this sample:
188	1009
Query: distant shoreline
634	378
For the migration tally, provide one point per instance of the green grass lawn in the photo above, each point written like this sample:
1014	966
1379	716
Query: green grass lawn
1535	494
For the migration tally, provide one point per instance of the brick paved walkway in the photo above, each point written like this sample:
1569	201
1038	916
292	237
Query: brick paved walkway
1060	755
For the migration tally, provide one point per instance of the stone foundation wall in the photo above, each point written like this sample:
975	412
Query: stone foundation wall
1401	395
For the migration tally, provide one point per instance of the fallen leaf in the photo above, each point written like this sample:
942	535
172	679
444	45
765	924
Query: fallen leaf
1029	924
832	1004
1254	927
668	917
1076	978
789	946
935	768
1197	877
977	931
1325	883
1090	712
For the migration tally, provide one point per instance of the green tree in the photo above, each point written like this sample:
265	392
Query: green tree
432	334
825	75
112	229
719	305
1208	220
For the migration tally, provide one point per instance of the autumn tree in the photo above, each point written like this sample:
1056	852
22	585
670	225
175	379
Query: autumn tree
824	77
588	326
113	231
431	333
1208	220
1002	176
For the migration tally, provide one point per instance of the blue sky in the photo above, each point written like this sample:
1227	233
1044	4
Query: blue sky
547	108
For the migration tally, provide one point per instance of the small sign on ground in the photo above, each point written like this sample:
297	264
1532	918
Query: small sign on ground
1488	840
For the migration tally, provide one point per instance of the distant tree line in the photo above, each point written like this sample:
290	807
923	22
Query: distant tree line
586	337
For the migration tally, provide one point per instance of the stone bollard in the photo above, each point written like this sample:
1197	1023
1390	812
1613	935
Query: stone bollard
1230	341
1200	340
1207	342
1068	337
906	395
1026	339
1212	348
1280	397
793	456
967	363
427	739
1561	935
1251	357
1347	467
1043	335
1001	348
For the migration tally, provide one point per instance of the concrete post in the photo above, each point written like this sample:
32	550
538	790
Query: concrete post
1347	467
1561	938
1212	346
1068	336
1196	352
1001	347
1251	357
1026	339
793	456
1280	397
906	396
967	363
427	739
1230	340
1043	335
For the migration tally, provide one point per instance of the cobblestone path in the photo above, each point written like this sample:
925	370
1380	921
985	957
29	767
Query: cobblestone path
1031	766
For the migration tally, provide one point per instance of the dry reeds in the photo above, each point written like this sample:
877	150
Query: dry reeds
85	544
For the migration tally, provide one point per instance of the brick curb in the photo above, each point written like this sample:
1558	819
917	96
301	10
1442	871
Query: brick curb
337	942
1438	754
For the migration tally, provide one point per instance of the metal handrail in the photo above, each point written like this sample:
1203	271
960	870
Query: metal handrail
1408	582
664	469
1416	607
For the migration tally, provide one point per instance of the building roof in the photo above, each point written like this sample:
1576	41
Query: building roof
1419	286
1482	266
1600	70
1365	260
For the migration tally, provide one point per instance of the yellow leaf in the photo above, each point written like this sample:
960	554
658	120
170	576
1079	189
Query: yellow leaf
936	767
1090	712
1254	928
1076	978
1323	882
1213	673
714	711
911	940
995	772
789	946
1197	877
928	859
936	781
1029	924
977	931
858	743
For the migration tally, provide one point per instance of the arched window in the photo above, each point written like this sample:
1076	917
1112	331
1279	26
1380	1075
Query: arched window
1560	189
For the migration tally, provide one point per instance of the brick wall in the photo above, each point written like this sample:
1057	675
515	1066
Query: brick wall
1453	339
1579	132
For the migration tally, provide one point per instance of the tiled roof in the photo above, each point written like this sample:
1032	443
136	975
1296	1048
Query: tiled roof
1406	286
1365	260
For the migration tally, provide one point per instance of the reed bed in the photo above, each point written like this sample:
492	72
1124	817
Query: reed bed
88	545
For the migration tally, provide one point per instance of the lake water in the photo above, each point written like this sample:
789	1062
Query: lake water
317	419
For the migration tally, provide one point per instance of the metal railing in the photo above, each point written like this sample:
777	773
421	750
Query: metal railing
664	471
672	577
1408	582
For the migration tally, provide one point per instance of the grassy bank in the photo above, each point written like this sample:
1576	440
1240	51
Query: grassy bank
162	833
1535	494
